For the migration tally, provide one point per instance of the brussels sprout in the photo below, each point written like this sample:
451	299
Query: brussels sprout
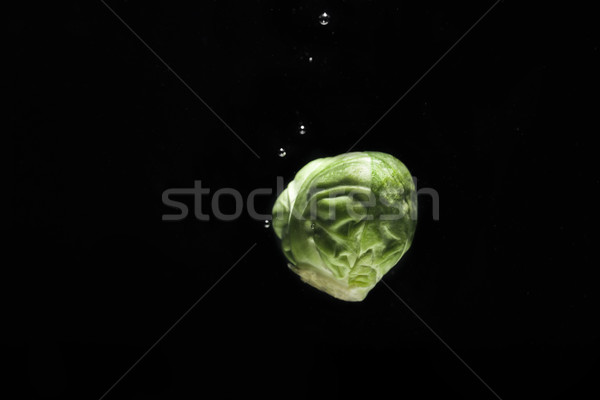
345	221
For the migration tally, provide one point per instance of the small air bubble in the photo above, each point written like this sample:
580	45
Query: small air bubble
310	59
282	152
324	19
267	223
312	226
302	130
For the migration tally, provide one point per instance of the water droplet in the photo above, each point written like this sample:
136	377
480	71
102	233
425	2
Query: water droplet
282	152
267	223
302	129
324	19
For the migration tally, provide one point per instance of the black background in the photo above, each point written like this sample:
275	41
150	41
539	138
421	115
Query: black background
98	128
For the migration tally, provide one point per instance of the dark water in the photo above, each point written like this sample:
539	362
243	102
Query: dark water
499	128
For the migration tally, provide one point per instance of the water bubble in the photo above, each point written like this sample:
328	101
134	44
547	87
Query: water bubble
302	129
267	223
324	19
310	59
282	152
312	226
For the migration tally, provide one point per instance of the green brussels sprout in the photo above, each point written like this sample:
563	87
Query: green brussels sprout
345	221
